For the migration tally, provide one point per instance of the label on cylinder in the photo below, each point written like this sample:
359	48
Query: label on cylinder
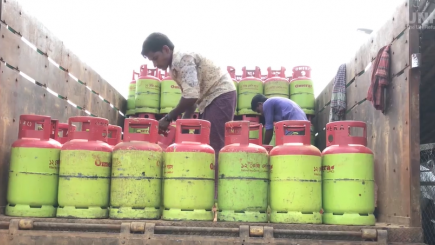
33	176
276	88
348	183
84	178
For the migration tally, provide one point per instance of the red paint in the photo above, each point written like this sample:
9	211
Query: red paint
302	79
340	141
149	73
133	80
268	147
285	144
301	71
275	75
115	134
237	138
138	141
32	137
251	75
192	142
63	128
94	139
232	71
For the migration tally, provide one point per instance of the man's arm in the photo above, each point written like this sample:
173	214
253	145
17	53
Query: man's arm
189	112
190	88
268	117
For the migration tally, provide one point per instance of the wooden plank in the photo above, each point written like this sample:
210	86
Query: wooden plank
413	125
357	91
399	53
401	18
31	29
351	70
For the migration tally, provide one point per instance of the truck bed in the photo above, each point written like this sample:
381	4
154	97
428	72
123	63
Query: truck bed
55	231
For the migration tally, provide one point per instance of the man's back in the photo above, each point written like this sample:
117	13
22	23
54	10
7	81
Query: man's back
277	109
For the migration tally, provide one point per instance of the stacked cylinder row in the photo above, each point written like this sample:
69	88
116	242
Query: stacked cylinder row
136	179
156	93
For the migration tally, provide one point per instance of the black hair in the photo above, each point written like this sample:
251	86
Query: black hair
258	98
155	42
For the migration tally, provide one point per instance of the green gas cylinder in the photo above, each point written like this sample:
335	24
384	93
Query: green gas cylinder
243	176
170	94
131	104
249	86
302	93
34	168
348	176
148	91
135	191
272	141
84	175
276	84
295	176
188	173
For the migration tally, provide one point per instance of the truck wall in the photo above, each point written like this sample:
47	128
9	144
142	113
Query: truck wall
51	91
393	136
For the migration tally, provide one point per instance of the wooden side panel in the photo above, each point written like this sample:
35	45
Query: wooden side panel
391	137
38	35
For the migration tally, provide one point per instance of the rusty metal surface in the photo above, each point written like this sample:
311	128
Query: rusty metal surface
28	231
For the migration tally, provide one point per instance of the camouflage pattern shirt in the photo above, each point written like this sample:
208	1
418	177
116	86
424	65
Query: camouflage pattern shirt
199	77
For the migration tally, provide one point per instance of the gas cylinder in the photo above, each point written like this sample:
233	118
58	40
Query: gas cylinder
243	176
34	168
253	134
301	89
170	94
276	85
301	71
249	86
148	90
232	72
136	186
131	104
114	136
258	139
62	135
135	129
54	133
84	175
188	173
348	188
295	176
272	141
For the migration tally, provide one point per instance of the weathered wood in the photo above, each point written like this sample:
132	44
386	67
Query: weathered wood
400	57
357	91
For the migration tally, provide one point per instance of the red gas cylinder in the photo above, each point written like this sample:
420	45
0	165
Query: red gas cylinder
348	175
301	71
63	132
276	85
84	175
33	170
115	135
189	173
295	177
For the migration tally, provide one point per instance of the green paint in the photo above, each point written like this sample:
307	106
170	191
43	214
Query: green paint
348	187
84	182
302	92
135	191
147	98
247	89
170	96
33	180
188	186
295	189
243	186
276	89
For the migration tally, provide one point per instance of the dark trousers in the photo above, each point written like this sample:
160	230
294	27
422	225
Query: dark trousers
219	112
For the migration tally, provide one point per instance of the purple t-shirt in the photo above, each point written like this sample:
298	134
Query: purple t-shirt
278	109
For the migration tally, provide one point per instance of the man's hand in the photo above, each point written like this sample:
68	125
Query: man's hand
163	125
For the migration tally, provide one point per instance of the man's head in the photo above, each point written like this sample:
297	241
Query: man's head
158	48
257	103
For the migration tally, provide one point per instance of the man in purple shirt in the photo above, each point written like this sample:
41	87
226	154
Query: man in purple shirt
276	109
